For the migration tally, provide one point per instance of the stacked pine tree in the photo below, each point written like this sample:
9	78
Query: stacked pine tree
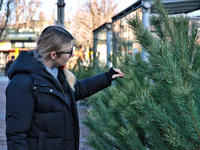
157	104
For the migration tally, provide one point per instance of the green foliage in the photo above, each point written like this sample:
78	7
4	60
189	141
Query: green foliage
157	104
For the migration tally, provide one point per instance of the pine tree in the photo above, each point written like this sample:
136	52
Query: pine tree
157	104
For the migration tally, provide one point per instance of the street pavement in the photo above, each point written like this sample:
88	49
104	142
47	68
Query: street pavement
81	109
3	84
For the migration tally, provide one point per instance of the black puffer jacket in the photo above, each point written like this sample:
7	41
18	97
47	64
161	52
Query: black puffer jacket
8	66
41	113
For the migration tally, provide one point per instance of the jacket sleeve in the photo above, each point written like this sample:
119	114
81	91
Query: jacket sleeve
19	111
89	86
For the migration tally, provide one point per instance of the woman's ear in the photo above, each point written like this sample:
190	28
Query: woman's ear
53	55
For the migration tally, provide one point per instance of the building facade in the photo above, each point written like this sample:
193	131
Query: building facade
14	41
123	38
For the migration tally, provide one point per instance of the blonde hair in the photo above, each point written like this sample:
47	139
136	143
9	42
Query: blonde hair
71	79
57	39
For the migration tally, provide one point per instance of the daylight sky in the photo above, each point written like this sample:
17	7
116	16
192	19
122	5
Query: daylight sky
71	6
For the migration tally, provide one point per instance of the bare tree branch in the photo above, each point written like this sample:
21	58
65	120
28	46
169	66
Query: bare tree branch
1	4
7	16
24	12
91	15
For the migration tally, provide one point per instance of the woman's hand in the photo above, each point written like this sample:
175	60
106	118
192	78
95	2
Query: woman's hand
118	74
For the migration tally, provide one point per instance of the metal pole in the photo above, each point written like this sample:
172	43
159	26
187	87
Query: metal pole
95	43
60	10
146	23
109	46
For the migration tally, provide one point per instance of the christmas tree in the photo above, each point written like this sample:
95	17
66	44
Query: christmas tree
157	104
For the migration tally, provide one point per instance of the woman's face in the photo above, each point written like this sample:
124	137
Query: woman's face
64	56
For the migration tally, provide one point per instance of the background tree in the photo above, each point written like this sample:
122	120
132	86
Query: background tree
23	13
41	19
156	105
90	16
5	11
17	13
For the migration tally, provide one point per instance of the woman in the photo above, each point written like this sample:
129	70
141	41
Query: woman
41	111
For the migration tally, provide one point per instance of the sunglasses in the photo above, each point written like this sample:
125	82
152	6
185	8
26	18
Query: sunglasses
70	52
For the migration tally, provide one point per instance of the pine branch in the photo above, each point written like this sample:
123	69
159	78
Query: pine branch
172	97
194	121
163	121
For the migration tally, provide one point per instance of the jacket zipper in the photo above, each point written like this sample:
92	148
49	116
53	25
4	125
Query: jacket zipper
71	119
61	89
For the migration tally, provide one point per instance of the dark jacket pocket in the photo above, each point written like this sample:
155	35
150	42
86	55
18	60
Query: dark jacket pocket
41	140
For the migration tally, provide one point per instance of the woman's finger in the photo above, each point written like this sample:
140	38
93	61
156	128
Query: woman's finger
118	71
120	74
117	75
